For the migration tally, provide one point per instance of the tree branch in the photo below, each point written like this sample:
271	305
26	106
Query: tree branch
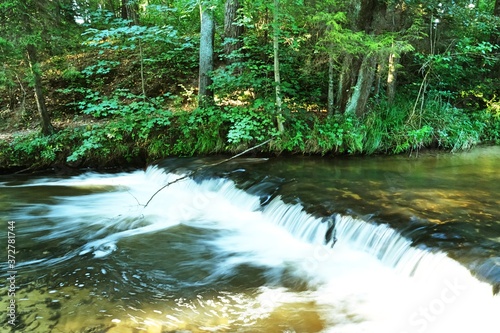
209	165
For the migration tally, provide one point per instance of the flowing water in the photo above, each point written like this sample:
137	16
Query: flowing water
389	244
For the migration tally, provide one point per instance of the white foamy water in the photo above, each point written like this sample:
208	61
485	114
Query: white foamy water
371	280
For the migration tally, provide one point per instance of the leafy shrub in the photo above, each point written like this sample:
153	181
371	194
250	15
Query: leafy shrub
41	149
248	124
198	132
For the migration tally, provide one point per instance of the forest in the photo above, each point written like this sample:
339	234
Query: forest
104	83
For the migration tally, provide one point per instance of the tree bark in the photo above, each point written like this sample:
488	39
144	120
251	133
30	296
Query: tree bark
129	11
47	127
361	93
391	77
205	93
232	30
347	80
495	36
331	86
277	78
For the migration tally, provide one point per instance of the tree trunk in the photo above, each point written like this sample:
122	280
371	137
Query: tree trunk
47	127
111	7
495	35
232	30
391	77
346	81
205	93
129	11
361	93
331	86
277	78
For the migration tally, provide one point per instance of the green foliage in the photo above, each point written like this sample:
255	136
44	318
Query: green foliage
101	68
198	132
128	118
92	140
243	79
40	149
248	124
447	72
461	70
455	129
72	74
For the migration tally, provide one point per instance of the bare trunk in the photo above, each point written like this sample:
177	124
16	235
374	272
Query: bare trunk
143	82
130	11
495	35
205	93
22	105
232	30
361	93
346	81
378	79
277	79
47	127
391	77
331	86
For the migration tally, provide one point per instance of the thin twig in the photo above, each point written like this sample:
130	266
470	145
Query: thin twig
209	165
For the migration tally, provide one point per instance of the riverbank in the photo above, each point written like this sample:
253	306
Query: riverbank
137	135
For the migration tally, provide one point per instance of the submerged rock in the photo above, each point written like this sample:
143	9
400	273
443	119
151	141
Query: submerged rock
101	328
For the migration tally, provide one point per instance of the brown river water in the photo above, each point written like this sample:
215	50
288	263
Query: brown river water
286	244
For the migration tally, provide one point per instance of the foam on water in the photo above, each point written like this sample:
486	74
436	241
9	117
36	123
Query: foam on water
372	280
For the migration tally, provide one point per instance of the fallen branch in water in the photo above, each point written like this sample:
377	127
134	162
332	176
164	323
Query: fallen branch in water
209	165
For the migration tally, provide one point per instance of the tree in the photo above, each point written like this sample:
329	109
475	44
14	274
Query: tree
366	44
46	125
26	24
207	33
495	36
277	78
232	28
129	11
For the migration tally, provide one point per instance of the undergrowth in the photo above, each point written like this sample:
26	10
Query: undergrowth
129	129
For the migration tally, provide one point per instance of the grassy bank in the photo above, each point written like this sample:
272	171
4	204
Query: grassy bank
133	132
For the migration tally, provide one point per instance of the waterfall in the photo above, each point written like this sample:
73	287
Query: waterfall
353	275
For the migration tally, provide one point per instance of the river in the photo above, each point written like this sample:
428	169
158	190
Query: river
286	244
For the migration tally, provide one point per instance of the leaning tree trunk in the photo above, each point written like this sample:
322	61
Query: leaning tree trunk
347	80
205	93
361	93
47	127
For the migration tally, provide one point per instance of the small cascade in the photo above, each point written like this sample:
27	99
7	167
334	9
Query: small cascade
207	234
381	241
188	201
296	221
